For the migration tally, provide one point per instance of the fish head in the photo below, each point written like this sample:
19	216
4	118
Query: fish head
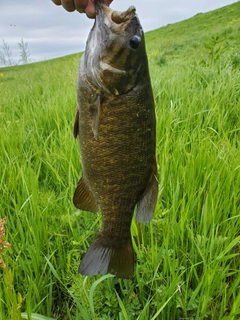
115	50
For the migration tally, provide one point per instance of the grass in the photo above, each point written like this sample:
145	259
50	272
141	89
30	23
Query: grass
187	266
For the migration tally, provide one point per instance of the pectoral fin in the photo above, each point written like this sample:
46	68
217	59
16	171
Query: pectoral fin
76	124
83	197
146	206
95	112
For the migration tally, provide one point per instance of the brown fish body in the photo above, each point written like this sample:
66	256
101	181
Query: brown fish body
116	126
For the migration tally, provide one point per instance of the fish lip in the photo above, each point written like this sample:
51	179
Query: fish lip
113	18
121	17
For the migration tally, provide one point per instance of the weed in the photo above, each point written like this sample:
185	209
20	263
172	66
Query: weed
235	59
3	244
161	61
24	52
6	58
214	48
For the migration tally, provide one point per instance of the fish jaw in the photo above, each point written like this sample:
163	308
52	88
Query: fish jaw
115	20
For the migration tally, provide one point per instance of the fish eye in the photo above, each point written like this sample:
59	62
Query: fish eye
134	42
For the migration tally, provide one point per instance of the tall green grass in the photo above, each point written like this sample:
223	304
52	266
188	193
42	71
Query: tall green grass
187	264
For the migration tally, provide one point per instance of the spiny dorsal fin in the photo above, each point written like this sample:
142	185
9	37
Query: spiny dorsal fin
76	124
103	257
146	206
83	198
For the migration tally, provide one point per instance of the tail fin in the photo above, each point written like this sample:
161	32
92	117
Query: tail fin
102	258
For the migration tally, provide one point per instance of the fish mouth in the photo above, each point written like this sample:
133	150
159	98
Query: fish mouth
116	20
121	17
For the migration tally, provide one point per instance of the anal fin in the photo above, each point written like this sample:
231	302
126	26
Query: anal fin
146	205
83	197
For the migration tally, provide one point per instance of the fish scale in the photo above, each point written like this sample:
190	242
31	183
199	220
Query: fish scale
115	122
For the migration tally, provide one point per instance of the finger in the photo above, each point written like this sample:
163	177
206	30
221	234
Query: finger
80	5
57	2
107	2
90	9
68	5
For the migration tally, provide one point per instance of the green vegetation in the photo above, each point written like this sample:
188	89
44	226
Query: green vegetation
187	266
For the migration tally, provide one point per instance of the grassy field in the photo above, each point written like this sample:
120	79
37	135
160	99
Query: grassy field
187	266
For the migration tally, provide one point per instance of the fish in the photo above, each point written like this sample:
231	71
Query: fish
116	125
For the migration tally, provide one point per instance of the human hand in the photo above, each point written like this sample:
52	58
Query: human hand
86	6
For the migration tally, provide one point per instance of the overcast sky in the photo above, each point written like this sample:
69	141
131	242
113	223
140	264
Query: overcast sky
51	32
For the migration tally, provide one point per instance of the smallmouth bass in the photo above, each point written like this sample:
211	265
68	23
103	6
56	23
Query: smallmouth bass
115	122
